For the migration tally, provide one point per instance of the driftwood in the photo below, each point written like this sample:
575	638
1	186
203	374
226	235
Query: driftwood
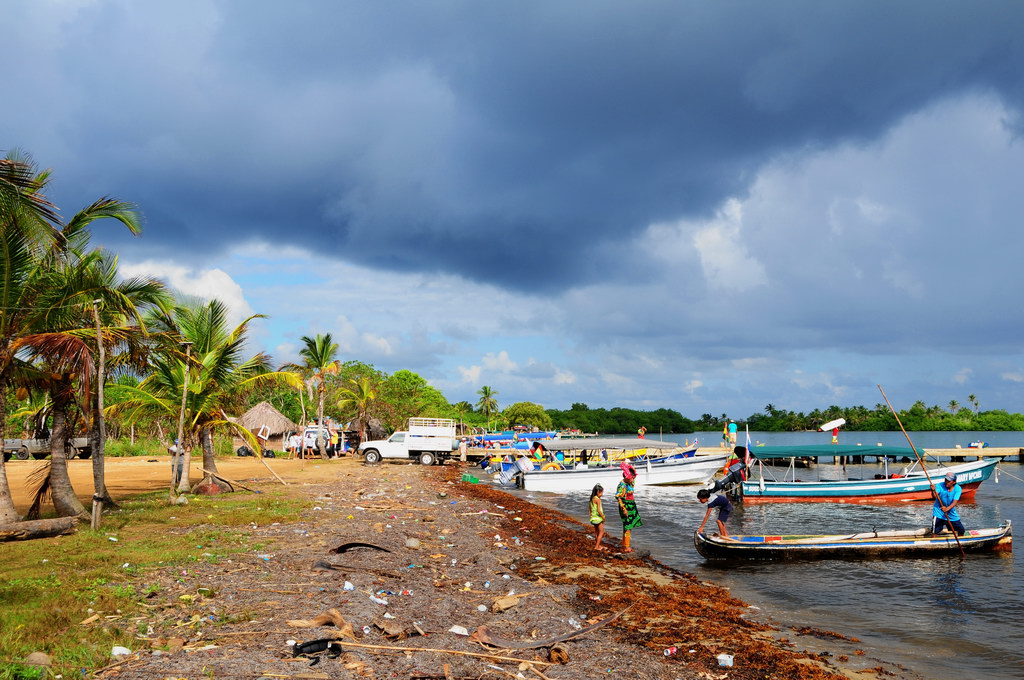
327	618
484	636
435	650
229	481
40	528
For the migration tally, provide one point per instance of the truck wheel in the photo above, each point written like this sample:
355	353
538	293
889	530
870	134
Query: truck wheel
427	458
7	455
372	456
22	453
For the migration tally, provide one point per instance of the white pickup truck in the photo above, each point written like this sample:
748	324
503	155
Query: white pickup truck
429	440
40	448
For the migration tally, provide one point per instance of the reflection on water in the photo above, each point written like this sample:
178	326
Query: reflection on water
937	616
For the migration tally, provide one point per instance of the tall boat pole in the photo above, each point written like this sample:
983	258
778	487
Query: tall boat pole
923	469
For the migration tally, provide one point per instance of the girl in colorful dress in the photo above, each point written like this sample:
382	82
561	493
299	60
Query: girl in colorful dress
597	515
627	505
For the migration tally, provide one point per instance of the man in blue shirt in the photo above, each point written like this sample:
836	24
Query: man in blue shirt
944	513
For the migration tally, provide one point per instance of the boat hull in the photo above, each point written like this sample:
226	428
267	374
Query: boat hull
868	545
913	487
692	470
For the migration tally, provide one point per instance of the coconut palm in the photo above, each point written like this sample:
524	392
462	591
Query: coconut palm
357	399
216	372
954	405
487	404
319	361
974	402
41	265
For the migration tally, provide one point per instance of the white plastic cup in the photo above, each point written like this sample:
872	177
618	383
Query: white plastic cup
724	659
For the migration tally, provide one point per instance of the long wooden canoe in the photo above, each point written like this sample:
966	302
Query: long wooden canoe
869	544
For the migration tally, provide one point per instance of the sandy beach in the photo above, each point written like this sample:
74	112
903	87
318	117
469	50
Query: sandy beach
461	564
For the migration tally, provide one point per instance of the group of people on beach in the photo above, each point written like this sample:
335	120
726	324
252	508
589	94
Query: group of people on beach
944	513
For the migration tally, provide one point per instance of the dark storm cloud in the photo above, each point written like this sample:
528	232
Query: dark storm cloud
522	141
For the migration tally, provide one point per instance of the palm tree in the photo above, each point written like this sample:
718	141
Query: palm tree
974	402
320	360
954	405
462	408
358	398
215	370
41	259
487	404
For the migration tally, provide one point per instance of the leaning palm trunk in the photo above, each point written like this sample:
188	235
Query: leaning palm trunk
7	512
209	459
65	502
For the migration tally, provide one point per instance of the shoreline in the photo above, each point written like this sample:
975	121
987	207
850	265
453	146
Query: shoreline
460	554
764	649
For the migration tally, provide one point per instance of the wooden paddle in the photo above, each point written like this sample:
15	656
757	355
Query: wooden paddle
923	469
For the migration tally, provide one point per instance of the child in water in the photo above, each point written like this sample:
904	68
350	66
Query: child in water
597	515
724	509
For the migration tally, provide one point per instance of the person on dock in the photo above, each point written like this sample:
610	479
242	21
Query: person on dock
944	512
597	515
641	432
724	510
732	432
628	512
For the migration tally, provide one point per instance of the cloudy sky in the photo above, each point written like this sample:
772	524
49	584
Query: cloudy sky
708	206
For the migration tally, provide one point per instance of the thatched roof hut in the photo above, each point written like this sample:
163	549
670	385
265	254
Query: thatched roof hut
264	415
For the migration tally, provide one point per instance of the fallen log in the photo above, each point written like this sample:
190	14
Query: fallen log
40	528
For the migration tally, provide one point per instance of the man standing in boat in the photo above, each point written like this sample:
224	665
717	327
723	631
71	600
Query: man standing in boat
944	513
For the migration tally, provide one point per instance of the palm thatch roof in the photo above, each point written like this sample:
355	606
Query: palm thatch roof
263	414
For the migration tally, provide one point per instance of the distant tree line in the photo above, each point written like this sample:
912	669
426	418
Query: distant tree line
954	417
620	420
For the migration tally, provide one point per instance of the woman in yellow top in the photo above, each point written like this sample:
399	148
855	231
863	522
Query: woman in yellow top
597	515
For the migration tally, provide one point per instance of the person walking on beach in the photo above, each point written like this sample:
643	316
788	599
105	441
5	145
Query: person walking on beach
463	449
628	512
944	513
597	515
724	510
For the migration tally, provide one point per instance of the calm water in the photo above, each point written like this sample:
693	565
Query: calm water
943	618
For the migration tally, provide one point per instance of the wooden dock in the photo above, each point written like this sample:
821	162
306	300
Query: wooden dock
1003	452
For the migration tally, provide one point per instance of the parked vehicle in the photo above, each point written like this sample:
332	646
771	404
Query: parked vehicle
429	440
309	437
39	448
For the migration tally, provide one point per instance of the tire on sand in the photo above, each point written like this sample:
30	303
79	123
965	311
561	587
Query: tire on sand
427	458
372	456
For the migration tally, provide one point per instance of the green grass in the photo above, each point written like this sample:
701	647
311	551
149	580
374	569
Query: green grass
49	585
